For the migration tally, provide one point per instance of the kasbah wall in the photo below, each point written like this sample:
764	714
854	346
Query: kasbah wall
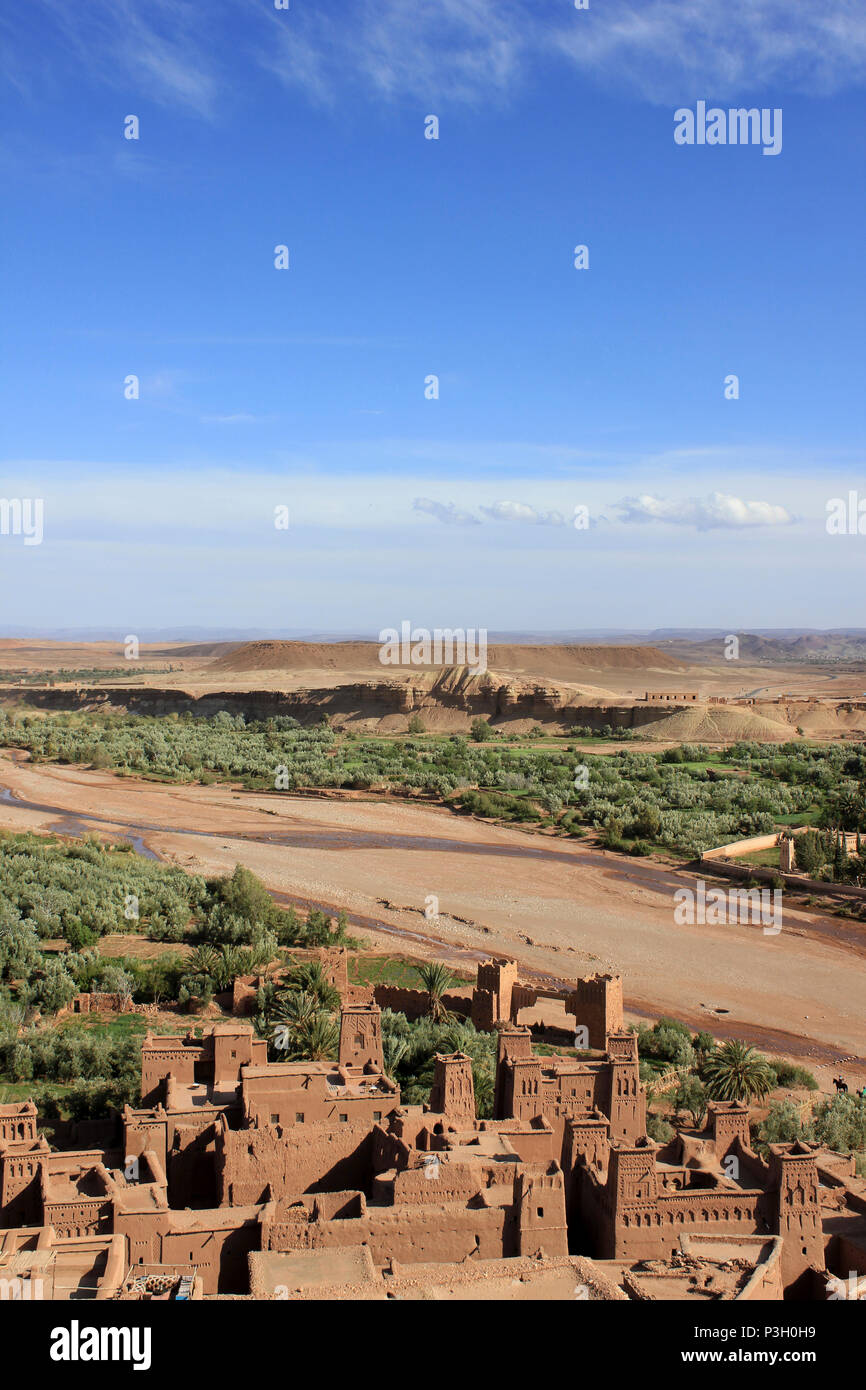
230	1154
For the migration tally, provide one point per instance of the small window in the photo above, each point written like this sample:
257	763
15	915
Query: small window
377	1115
275	1119
359	1039
299	1117
344	1119
234	1054
540	1211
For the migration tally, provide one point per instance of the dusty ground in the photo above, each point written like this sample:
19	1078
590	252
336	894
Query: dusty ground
562	909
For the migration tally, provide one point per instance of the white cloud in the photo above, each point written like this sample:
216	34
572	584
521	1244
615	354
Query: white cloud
451	515
688	48
446	512
718	509
521	511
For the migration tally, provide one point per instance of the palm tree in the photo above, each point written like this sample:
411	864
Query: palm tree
262	951
436	979
295	1008
394	1049
302	1028
231	962
310	978
204	961
736	1071
321	1038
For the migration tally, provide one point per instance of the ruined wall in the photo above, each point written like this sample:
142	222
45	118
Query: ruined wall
415	1003
97	1002
435	1234
291	1161
652	1231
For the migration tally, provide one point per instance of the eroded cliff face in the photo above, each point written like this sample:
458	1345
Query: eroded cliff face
450	701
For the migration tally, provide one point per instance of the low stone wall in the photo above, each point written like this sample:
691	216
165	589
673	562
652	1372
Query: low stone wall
102	1003
752	846
415	1003
795	882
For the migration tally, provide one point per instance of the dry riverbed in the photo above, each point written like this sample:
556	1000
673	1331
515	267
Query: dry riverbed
561	908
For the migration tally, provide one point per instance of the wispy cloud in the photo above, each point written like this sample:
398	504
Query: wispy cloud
521	511
446	512
451	515
241	418
718	510
167	48
451	51
664	49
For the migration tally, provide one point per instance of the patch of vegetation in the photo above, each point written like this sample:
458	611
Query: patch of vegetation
401	971
82	675
788	1074
837	1121
410	1049
684	799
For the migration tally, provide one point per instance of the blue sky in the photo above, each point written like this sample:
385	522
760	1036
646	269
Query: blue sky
558	388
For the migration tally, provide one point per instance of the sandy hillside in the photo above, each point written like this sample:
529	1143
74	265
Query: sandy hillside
718	724
553	662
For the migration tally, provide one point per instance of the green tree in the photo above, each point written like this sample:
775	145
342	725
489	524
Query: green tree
310	978
55	988
735	1071
783	1124
690	1094
480	730
437	980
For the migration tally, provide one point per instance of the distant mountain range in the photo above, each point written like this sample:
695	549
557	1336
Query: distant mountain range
774	649
796	643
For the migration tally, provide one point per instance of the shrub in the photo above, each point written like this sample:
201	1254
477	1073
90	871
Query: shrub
787	1074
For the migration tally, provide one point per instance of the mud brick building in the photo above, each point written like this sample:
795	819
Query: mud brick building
236	1167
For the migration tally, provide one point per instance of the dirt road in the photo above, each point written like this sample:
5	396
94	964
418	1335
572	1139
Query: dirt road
562	909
